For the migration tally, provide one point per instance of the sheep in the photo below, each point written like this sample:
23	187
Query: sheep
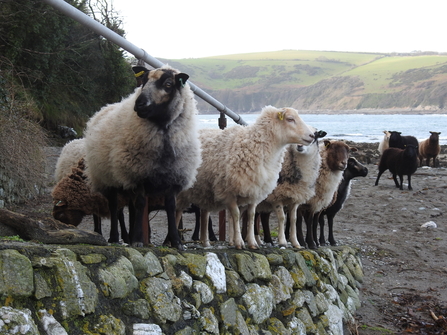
72	196
240	166
295	185
400	162
430	148
69	157
398	141
147	144
385	143
334	160
354	169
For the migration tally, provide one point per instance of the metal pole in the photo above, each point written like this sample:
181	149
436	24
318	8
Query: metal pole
139	53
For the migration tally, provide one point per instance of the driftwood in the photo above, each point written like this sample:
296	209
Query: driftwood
48	231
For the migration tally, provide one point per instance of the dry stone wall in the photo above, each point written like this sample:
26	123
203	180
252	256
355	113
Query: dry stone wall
118	290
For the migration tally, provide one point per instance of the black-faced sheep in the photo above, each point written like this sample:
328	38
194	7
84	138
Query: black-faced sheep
295	185
147	144
334	160
400	162
385	143
429	148
399	141
354	169
240	166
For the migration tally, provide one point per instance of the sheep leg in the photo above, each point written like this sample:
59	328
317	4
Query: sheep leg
258	228
97	224
293	234
330	224
210	230
279	209
409	182
136	225
170	206
396	182
378	177
230	230
113	204
265	221
237	236
322	240
204	233
244	218
195	235
299	228
123	228
309	230
251	241
315	228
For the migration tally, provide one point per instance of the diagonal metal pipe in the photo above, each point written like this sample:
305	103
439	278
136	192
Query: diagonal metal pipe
139	53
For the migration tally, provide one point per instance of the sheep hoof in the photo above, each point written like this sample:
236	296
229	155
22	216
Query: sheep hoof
137	244
253	247
181	247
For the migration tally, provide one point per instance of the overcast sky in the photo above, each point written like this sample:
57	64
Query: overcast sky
177	29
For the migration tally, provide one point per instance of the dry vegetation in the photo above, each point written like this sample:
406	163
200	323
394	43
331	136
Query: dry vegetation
21	142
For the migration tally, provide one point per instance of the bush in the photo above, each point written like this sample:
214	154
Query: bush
21	144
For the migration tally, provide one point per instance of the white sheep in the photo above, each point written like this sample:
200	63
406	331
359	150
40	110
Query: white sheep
295	185
69	157
385	143
240	166
148	144
334	160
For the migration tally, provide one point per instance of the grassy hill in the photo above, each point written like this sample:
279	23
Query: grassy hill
318	80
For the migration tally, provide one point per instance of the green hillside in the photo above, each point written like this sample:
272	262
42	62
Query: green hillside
320	80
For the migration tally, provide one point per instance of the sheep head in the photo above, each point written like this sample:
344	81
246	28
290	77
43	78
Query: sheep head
337	155
288	126
159	97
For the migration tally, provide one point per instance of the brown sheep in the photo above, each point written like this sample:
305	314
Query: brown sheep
73	199
429	148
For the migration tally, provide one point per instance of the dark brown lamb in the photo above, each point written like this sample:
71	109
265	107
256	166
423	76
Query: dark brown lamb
429	148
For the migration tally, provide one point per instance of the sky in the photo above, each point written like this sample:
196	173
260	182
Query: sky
176	29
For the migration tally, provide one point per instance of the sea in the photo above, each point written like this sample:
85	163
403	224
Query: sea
358	128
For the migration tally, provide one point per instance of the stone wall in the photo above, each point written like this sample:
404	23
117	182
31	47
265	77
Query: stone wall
118	290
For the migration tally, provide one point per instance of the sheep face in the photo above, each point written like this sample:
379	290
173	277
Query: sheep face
434	137
293	129
62	213
160	95
337	155
355	168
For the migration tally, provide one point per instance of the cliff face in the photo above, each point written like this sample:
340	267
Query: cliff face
321	80
336	93
59	290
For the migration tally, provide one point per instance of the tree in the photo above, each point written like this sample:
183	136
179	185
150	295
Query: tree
69	70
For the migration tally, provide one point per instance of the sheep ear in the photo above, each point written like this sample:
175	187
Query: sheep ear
353	149
327	143
139	71
180	79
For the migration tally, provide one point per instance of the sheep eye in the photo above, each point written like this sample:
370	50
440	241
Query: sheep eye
290	119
